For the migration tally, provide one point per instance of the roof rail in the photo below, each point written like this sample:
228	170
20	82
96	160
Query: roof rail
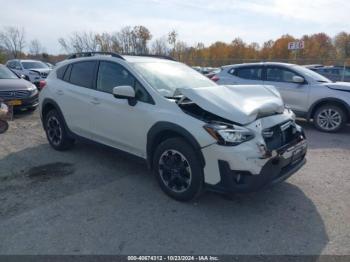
155	56
89	54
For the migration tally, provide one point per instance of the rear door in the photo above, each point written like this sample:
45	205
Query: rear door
74	94
295	95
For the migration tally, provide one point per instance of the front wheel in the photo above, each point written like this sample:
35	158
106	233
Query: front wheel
178	169
329	118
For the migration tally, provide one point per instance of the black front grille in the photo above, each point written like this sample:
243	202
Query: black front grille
280	135
17	94
43	75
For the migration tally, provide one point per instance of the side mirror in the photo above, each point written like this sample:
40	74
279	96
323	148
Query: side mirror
298	80
25	77
125	92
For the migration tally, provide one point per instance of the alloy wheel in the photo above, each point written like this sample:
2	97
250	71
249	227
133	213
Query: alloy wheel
175	171
54	130
329	119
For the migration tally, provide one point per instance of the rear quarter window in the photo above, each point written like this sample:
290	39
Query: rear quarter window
252	73
60	71
83	74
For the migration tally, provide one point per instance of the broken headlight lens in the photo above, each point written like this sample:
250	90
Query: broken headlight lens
229	135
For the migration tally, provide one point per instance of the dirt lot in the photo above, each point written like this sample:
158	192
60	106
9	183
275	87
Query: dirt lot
92	200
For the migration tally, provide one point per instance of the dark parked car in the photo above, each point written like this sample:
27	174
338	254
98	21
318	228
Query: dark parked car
17	92
32	70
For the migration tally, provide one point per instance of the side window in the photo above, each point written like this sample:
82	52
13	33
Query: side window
11	65
18	65
347	72
60	72
82	74
252	73
335	72
277	74
111	75
67	73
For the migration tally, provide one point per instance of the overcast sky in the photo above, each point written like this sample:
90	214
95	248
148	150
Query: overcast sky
204	21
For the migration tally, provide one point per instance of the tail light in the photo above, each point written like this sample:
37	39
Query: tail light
215	78
42	84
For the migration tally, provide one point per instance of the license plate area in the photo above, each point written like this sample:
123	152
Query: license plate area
14	102
295	153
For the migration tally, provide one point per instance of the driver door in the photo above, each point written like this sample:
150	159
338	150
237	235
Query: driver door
294	95
114	121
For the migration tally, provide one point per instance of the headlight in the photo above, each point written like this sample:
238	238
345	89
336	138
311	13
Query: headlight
229	135
32	87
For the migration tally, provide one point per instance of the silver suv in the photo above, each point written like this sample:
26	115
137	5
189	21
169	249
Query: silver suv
309	94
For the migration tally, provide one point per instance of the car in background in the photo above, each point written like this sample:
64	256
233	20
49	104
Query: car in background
34	71
309	94
51	66
334	73
17	92
207	71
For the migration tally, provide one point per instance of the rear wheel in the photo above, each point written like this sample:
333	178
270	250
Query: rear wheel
178	169
329	118
56	132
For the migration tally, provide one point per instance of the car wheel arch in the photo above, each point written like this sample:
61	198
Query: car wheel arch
332	101
161	131
48	105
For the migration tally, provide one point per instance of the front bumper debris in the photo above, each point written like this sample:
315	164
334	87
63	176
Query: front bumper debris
281	164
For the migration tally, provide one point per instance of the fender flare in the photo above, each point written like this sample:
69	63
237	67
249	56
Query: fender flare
326	100
163	126
51	102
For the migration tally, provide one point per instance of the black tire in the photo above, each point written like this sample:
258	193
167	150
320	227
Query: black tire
4	126
336	122
187	157
56	132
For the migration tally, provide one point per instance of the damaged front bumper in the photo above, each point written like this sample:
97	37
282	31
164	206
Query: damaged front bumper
244	173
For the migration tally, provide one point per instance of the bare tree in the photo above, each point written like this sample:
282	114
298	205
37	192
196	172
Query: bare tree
80	42
125	39
160	46
13	40
35	48
172	39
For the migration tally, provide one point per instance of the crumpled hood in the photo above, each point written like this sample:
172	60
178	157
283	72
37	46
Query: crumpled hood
41	71
239	103
344	86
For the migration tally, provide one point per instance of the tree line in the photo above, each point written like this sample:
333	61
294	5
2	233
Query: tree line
319	47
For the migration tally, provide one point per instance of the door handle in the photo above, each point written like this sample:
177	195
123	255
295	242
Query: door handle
59	92
95	101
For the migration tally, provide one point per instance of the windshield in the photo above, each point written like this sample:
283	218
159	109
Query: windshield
34	65
166	77
316	76
6	73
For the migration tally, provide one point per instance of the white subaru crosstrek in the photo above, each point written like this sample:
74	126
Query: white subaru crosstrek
194	134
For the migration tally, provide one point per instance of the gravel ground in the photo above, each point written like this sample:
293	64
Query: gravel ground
93	200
